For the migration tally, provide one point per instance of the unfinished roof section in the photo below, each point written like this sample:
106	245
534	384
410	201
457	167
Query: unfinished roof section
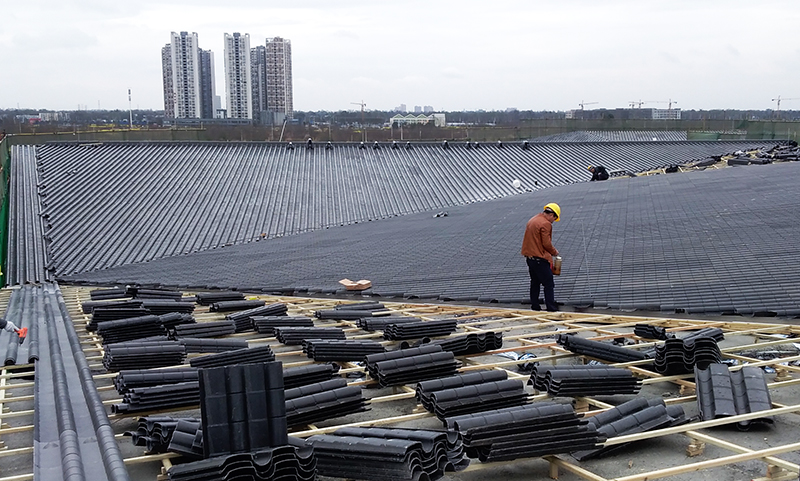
721	241
120	203
757	345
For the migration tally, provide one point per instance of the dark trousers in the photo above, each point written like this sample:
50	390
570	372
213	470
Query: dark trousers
541	276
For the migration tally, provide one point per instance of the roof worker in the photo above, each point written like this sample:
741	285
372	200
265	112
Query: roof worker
537	247
8	326
598	172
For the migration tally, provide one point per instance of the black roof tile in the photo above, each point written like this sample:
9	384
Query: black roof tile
722	392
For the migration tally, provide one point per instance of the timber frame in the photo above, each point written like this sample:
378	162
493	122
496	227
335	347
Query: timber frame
523	331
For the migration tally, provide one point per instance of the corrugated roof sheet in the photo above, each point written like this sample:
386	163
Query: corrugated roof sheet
112	204
704	241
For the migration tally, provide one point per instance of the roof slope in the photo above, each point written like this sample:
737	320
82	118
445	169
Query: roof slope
614	136
119	203
704	241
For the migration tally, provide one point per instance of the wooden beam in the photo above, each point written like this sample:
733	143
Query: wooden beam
740	449
711	463
701	425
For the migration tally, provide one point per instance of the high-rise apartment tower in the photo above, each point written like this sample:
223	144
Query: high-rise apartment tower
188	77
258	70
279	76
238	93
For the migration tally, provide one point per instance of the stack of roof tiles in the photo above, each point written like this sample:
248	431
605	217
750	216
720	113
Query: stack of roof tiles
281	462
310	374
600	350
242	408
172	319
527	431
296	335
380	323
159	307
634	416
111	313
244	319
155	432
229	306
648	331
244	428
469	393
142	354
312	403
89	306
680	356
379	454
204	329
136	378
109	293
122	330
203	345
187	438
353	311
472	343
418	330
267	324
149	293
208	298
590	380
251	355
722	392
292	377
411	365
165	396
341	349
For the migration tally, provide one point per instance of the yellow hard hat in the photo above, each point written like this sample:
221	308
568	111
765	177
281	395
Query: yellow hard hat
590	167
555	208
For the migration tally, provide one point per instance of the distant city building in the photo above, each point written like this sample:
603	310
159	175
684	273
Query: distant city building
271	72
258	71
623	114
54	116
207	84
666	114
280	102
238	92
169	88
417	109
427	109
410	119
400	108
181	70
188	78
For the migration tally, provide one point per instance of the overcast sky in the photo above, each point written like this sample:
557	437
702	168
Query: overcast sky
452	55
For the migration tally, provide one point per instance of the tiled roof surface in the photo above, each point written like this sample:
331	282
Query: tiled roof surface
613	136
73	438
705	241
26	258
120	203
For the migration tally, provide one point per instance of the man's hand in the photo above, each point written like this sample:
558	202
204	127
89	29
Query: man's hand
10	327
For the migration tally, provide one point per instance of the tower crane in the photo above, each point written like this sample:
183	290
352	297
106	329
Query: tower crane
778	99
363	127
634	103
585	103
